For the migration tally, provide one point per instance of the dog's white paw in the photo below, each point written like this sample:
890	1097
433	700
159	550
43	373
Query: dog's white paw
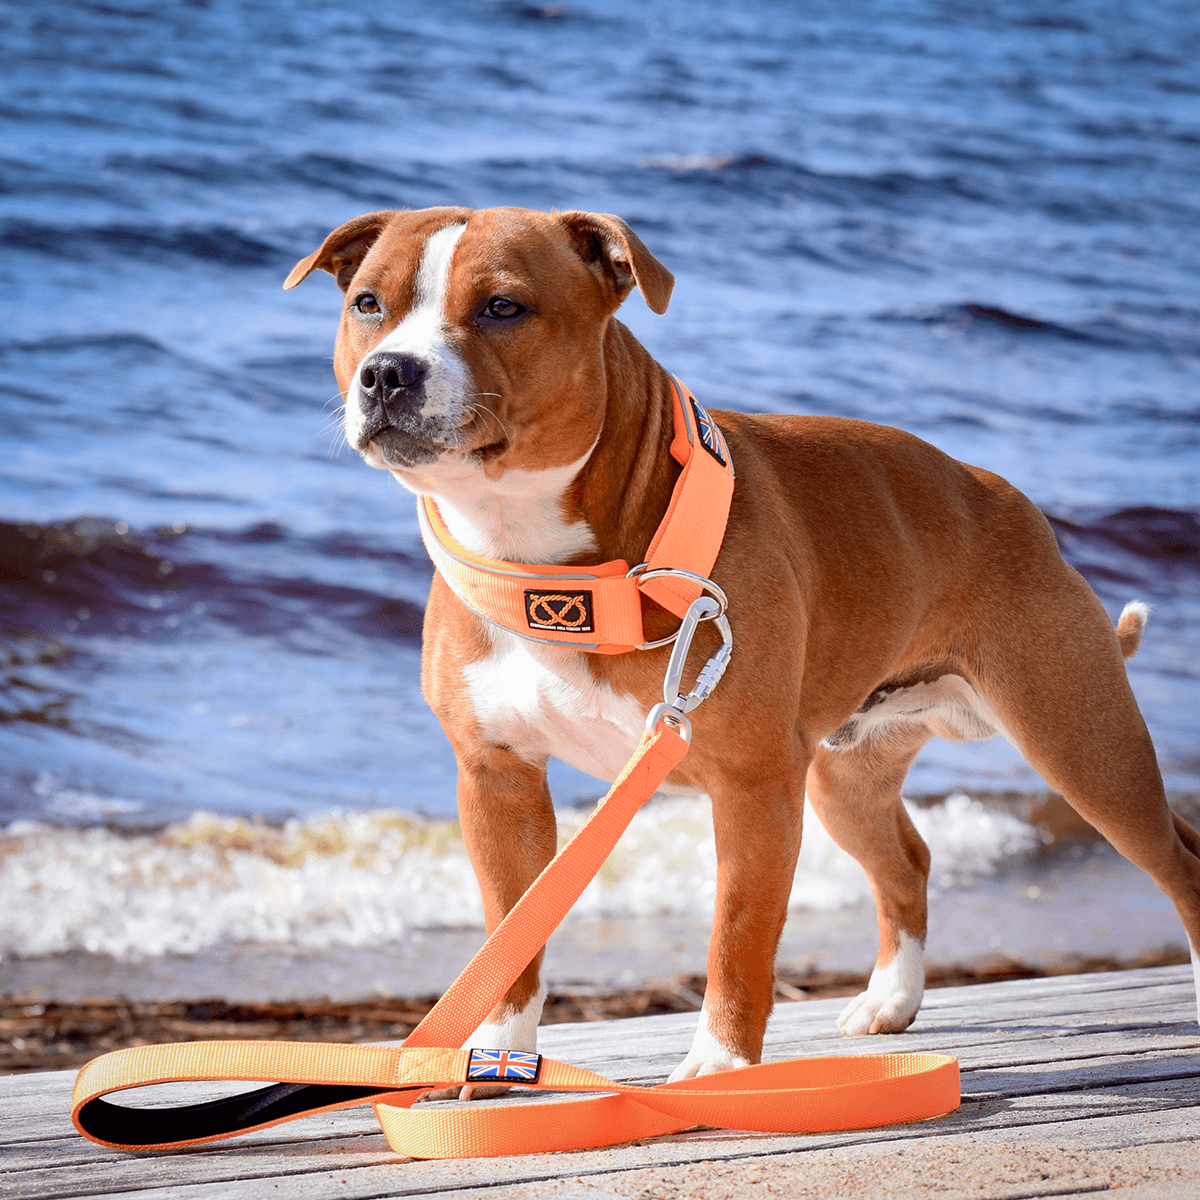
868	1013
893	995
518	1031
1196	976
707	1055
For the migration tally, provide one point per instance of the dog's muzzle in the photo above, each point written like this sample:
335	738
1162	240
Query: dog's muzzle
390	393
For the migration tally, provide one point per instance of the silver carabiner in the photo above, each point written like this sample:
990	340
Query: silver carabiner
675	703
705	608
669	716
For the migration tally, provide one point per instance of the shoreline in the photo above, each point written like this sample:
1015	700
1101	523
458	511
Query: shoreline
38	1034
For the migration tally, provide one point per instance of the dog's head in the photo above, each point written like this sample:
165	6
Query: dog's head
474	339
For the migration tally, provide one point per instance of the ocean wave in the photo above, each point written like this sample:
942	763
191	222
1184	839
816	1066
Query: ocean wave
990	318
94	574
266	577
1157	549
371	878
216	243
754	172
134	345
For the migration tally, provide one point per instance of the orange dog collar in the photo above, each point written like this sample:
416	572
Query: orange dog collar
599	608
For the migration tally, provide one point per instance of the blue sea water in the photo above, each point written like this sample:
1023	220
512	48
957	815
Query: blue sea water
979	222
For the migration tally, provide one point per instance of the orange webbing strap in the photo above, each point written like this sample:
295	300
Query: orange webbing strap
694	525
511	946
813	1095
608	621
807	1095
599	608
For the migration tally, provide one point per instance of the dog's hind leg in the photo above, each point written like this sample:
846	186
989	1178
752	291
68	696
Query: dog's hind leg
1060	690
855	793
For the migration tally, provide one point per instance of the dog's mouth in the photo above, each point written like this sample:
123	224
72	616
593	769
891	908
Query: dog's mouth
399	448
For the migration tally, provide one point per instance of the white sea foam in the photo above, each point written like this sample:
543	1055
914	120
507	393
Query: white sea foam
368	879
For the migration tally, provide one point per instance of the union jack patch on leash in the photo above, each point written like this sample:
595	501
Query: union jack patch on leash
710	435
511	1066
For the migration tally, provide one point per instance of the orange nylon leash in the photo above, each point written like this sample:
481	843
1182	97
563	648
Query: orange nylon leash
797	1096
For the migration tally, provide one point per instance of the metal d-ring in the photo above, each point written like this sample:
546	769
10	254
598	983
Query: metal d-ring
641	572
704	608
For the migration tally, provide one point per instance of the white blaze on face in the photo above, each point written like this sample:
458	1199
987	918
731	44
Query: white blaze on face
517	515
422	334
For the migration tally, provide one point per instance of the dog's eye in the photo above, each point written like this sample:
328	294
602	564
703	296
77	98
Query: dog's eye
503	309
366	303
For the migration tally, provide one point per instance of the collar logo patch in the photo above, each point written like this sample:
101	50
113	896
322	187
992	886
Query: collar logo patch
562	612
710	435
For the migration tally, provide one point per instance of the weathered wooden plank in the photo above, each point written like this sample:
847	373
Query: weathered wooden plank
270	1162
305	1172
1000	1166
986	1083
45	1114
646	1048
1048	1062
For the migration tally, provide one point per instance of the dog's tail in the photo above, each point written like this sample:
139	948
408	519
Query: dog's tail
1129	628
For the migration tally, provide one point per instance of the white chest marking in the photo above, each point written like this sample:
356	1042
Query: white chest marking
518	517
543	701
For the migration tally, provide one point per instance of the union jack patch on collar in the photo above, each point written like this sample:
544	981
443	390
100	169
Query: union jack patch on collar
710	435
512	1066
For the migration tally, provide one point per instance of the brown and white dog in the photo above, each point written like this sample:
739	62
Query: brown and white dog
880	593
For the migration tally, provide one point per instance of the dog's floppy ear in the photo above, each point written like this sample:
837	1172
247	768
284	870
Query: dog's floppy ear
342	252
614	252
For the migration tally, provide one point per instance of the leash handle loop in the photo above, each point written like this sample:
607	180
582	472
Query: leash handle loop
813	1095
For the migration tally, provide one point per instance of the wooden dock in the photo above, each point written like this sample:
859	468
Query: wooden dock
1070	1086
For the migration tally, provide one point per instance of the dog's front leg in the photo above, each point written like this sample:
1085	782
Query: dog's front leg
757	824
510	833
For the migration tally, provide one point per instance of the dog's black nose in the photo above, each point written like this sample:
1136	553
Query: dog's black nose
387	379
